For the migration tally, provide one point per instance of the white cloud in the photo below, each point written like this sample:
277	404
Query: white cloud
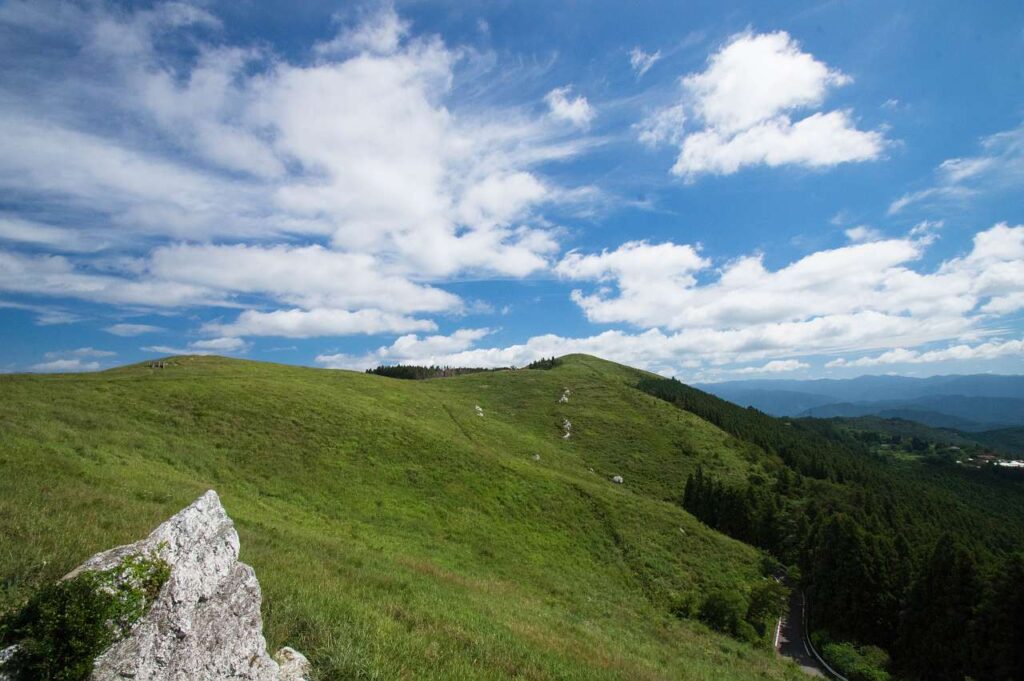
223	344
575	110
820	140
926	228
46	315
55	238
52	275
132	329
664	126
755	77
776	366
863	233
963	352
857	296
75	365
297	323
669	352
409	349
80	352
641	61
746	99
239	159
71	361
212	346
379	33
309	276
999	167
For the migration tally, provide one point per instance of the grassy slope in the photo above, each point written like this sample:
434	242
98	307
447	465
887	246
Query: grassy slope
397	534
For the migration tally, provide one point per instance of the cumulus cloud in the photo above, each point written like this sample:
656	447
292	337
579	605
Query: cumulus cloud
641	61
71	361
856	296
962	352
746	100
409	349
653	350
575	110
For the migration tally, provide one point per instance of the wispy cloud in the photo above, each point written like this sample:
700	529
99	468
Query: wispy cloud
999	167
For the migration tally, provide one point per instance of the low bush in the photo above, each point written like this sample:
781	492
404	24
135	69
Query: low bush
857	663
64	626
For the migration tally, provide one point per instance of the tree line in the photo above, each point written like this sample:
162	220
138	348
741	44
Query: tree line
413	372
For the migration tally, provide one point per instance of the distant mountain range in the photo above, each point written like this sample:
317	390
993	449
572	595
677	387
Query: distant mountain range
968	403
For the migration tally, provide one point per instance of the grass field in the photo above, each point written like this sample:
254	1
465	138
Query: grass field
396	533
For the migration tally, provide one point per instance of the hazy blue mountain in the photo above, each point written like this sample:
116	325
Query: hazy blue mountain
972	403
943	411
872	388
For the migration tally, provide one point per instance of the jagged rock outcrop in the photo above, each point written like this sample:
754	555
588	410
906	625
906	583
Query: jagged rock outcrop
205	624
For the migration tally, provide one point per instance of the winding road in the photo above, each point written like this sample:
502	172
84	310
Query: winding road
790	640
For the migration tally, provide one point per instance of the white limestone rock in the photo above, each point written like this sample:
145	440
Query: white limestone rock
205	623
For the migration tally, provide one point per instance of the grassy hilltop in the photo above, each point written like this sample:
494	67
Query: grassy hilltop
396	533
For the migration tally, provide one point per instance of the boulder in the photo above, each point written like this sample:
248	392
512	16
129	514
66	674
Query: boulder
617	479
205	623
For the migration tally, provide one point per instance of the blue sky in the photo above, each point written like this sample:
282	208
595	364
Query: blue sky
703	189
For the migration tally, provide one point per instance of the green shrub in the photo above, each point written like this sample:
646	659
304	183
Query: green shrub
723	611
64	626
857	663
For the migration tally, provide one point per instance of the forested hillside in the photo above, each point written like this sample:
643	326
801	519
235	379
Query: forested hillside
920	560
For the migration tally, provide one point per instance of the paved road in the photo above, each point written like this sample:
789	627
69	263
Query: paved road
791	637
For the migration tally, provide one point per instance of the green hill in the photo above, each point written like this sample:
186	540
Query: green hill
396	532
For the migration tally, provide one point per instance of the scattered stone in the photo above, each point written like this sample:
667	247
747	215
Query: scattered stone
565	396
617	479
205	623
479	410
536	457
566	429
294	665
5	655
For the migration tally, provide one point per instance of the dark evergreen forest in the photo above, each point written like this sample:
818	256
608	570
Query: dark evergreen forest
917	562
